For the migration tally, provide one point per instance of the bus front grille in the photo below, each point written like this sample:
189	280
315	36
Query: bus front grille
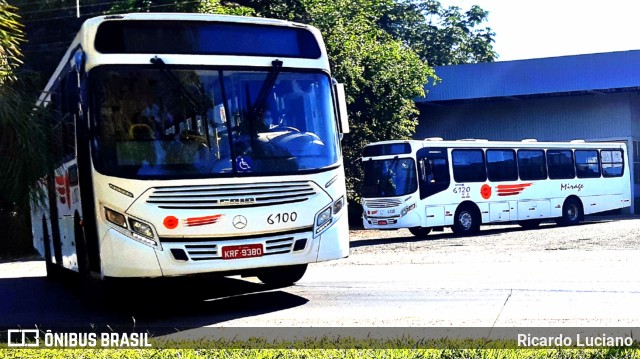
382	203
209	251
231	195
203	249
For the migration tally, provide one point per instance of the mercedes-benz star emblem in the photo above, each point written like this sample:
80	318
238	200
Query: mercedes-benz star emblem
239	221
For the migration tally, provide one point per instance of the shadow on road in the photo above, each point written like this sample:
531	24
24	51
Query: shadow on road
158	306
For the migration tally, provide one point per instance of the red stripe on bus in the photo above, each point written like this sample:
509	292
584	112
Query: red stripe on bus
513	186
201	221
502	194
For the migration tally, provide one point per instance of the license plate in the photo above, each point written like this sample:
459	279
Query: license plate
242	251
382	222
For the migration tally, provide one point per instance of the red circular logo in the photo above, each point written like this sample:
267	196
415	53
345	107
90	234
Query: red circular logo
170	222
485	191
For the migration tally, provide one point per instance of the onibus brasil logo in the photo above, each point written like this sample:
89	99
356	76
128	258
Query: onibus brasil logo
38	338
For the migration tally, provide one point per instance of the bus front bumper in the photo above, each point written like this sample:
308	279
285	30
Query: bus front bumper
411	219
123	257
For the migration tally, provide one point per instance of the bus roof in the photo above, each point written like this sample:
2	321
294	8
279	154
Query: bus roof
94	21
85	39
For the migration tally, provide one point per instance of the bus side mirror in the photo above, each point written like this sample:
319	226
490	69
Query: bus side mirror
79	60
342	108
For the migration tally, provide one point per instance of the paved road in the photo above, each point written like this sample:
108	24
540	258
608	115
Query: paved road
552	276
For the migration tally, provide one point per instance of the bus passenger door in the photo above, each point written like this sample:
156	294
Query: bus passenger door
433	178
433	171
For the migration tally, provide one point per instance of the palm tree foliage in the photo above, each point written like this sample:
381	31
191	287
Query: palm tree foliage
23	140
11	36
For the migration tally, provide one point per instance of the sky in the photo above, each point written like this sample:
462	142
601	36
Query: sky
528	29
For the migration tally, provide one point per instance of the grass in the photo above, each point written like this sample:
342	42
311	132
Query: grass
317	353
308	349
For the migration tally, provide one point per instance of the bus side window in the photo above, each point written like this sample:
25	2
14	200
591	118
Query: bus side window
501	165
560	164
587	163
612	163
468	165
71	99
532	165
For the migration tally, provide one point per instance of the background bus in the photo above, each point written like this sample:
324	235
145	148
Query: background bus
190	143
429	184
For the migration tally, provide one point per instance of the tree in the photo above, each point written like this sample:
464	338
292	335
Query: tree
382	78
11	36
440	36
23	145
152	6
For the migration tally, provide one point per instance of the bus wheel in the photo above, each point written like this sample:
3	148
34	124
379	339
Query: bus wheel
571	213
420	231
282	276
530	224
466	221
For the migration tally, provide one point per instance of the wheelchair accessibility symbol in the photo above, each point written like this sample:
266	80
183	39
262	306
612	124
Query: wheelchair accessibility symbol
243	164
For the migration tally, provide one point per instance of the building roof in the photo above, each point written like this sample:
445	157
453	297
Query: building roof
602	72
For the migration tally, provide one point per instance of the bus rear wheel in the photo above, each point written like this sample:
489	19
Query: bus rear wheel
466	221
282	276
571	213
420	232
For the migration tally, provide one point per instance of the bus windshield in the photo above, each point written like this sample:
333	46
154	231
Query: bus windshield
389	178
161	122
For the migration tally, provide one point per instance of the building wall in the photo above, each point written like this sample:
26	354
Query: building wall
553	118
557	118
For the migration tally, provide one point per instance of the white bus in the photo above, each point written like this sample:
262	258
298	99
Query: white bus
190	143
432	184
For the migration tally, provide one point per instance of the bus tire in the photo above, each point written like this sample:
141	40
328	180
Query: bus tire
530	223
571	212
420	232
282	276
466	221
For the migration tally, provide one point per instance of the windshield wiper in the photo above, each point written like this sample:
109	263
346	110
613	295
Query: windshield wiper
393	167
258	107
199	107
178	84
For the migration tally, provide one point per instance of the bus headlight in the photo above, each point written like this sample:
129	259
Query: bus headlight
115	217
407	209
325	217
323	220
337	205
141	228
136	229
